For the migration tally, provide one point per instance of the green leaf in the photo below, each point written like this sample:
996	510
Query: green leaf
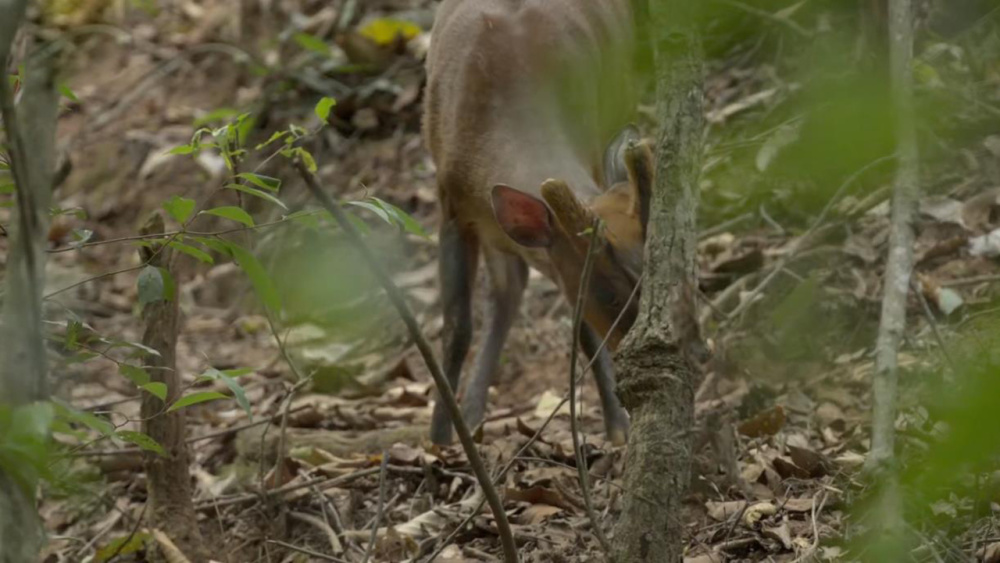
73	328
323	108
215	244
299	153
180	208
142	440
25	443
196	398
231	212
312	43
214	116
238	392
306	218
135	374
67	92
183	149
169	287
261	181
276	136
374	209
152	287
261	282
257	193
123	545
88	419
196	253
78	212
81	237
80	357
141	350
156	388
360	225
244	126
409	224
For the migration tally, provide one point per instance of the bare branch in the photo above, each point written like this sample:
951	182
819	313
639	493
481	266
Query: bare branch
444	388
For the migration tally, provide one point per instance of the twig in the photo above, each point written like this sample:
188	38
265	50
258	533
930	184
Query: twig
131	533
929	315
167	235
307	551
975	280
534	437
191	440
724	226
444	388
815	526
791	24
301	381
337	525
331	535
324	482
799	243
581	462
381	506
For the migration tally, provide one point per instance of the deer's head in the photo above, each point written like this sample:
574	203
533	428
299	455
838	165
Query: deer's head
561	223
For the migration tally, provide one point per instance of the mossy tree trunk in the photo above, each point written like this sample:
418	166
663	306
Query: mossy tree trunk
657	364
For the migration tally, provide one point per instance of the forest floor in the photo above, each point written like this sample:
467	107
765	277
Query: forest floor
791	308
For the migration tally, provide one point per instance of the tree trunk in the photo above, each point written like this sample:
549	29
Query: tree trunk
657	373
168	477
900	261
22	346
881	460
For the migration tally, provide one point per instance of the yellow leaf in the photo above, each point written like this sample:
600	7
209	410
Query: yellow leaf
384	31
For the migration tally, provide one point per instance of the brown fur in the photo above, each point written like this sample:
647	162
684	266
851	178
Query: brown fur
521	92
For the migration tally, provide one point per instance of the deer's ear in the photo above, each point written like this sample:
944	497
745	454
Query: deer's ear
524	218
567	208
640	164
614	156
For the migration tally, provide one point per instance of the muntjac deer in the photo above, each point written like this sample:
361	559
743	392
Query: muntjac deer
528	109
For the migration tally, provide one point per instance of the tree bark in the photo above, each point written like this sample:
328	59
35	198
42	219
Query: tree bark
657	364
900	261
888	514
22	345
168	478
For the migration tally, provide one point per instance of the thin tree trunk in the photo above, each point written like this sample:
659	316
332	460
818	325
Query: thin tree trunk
22	347
168	477
889	512
900	260
657	374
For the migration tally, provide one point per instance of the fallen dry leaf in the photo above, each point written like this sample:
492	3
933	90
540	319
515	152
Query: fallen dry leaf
788	469
850	460
812	462
767	423
780	533
537	513
722	511
757	512
798	505
539	495
990	553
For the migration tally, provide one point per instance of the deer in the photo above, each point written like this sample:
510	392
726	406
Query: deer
528	118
